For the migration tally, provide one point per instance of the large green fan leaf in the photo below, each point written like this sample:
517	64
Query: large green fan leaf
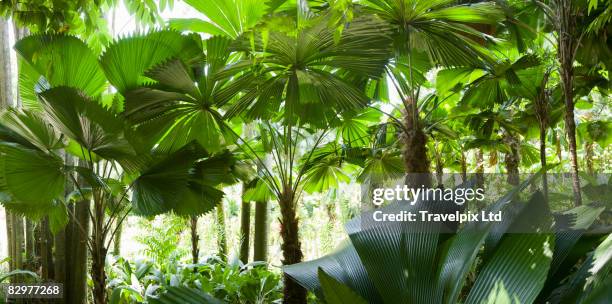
84	120
63	61
171	184
227	17
126	60
33	128
31	176
176	111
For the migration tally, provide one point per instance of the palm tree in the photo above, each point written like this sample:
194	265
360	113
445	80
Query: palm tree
301	80
424	33
231	18
575	24
71	93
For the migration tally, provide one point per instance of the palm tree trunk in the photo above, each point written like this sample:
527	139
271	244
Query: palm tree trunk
221	232
541	106
511	159
117	239
7	95
463	163
77	253
260	240
558	147
414	141
480	168
543	161
18	238
439	166
327	240
566	50
291	246
588	158
195	239
10	239
46	252
61	256
30	242
98	254
245	231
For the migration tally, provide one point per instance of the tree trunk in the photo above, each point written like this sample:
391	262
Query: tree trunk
245	231
10	240
30	242
46	252
291	246
480	168
512	159
463	167
439	166
195	239
543	162
558	147
98	254
541	107
61	256
18	237
221	232
76	251
260	240
414	141
566	50
327	240
7	90
117	239
588	155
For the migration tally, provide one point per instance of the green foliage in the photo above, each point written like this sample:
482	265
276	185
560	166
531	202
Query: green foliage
167	282
336	292
392	263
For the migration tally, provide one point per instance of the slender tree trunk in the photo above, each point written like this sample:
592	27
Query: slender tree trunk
221	232
10	239
558	147
6	101
61	257
30	245
512	159
480	168
543	161
330	210
463	167
291	246
46	252
77	253
566	50
414	140
245	231
588	155
439	166
7	90
541	106
98	254
260	240
195	239
117	239
19	240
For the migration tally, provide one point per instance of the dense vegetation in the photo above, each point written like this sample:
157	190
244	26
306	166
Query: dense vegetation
297	104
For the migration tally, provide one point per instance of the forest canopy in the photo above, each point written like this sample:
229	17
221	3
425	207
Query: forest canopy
236	151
